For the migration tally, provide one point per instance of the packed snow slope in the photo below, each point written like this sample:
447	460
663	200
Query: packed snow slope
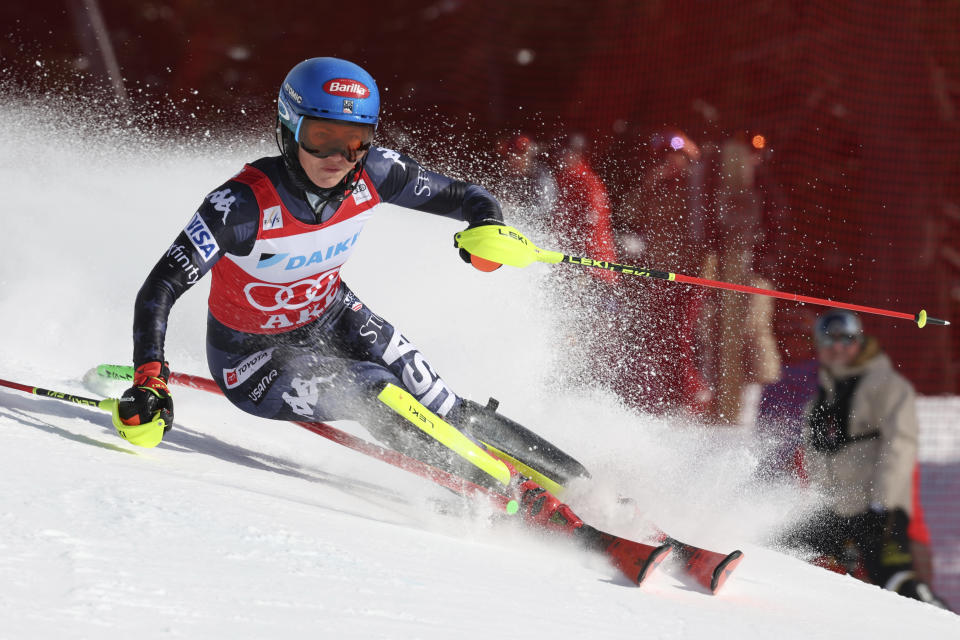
236	527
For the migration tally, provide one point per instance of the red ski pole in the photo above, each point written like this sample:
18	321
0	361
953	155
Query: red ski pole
921	318
506	245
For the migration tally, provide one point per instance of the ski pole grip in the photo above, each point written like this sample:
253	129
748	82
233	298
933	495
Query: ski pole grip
504	245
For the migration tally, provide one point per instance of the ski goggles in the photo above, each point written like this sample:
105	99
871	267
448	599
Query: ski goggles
324	138
830	339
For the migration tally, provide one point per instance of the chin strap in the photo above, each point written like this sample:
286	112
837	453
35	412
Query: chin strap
320	198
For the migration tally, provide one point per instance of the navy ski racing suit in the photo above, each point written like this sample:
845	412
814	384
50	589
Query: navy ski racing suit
286	338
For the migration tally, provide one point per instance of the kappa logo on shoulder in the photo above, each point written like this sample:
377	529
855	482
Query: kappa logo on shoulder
390	154
221	201
272	218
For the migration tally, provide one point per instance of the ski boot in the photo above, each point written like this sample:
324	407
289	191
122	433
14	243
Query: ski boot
543	509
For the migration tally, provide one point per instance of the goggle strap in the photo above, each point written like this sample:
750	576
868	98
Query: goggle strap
296	133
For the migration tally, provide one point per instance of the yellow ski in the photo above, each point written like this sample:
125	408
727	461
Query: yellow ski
419	416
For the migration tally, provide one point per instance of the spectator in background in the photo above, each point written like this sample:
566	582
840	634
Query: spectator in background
578	223
700	215
528	186
739	332
781	411
657	228
657	225
581	222
861	450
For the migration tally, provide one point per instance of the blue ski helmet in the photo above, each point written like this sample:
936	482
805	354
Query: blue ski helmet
838	323
328	88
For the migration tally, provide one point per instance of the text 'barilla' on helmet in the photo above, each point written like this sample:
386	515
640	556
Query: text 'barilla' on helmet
328	88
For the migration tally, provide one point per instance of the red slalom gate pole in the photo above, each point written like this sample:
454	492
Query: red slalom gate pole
921	318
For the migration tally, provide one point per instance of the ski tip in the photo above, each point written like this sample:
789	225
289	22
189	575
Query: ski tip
656	556
724	569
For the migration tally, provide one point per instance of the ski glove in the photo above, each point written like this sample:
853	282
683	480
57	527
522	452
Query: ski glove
884	541
149	398
478	262
499	244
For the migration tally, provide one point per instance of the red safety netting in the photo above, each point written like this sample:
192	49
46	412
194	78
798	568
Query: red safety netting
852	193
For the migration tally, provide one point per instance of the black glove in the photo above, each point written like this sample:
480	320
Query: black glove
148	398
882	538
867	529
477	261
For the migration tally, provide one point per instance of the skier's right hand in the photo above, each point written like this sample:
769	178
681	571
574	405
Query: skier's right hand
498	244
478	262
149	398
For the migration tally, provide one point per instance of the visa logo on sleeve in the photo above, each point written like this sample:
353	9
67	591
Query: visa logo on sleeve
201	237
